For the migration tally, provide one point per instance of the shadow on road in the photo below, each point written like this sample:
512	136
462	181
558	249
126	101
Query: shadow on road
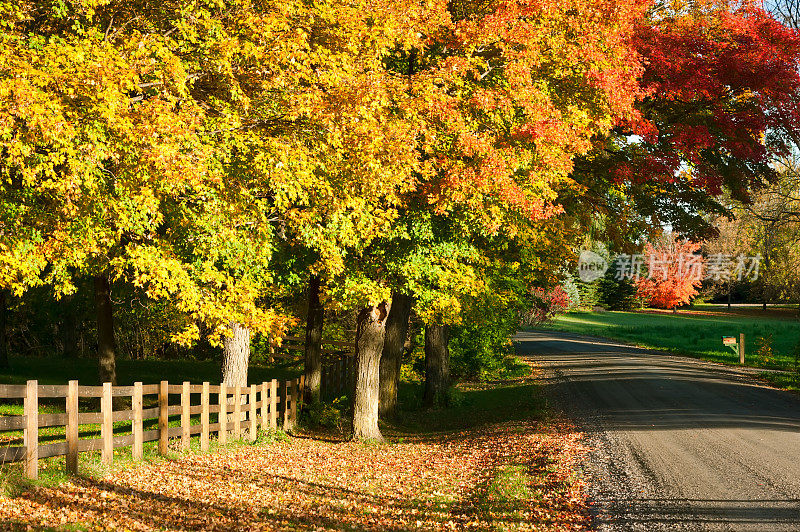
646	512
636	389
678	443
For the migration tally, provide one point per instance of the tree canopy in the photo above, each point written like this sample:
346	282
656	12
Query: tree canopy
215	156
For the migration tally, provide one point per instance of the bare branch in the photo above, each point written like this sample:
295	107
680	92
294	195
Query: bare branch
110	25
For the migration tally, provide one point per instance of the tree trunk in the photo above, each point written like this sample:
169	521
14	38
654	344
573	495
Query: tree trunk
3	337
106	347
370	334
437	366
69	328
235	360
236	355
764	288
729	295
313	347
392	355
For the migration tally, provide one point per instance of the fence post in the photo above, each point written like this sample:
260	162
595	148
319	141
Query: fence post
338	375
300	394
323	382
31	434
253	421
72	427
237	412
223	413
204	415
273	404
346	372
345	375
264	409
295	398
330	386
287	399
185	419
163	417
107	428
741	348
138	422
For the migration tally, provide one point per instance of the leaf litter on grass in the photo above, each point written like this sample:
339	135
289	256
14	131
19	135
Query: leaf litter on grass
516	475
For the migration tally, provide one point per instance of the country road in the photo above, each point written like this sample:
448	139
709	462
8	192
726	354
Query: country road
679	444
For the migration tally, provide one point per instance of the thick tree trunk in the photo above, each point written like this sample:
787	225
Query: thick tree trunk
437	366
235	360
3	337
396	331
106	347
370	334
236	355
313	347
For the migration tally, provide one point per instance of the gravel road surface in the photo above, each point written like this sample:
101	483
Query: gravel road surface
679	444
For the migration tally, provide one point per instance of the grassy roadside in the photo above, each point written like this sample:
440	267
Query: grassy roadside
699	334
494	460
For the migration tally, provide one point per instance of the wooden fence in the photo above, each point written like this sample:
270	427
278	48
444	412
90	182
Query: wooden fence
338	375
337	347
338	365
239	411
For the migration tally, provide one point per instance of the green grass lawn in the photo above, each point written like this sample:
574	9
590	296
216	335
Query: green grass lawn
691	333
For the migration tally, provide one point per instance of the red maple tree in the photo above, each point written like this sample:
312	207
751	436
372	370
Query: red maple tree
674	273
717	102
715	83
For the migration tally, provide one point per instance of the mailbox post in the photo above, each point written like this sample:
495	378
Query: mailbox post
741	348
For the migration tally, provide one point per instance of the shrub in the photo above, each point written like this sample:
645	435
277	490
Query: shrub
327	414
766	356
543	305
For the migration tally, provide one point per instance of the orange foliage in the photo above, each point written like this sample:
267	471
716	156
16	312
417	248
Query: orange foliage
522	90
674	273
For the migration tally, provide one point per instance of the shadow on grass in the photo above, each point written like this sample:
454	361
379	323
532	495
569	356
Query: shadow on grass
473	406
502	499
490	421
333	506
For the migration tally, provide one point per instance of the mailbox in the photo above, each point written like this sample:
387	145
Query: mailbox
728	340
